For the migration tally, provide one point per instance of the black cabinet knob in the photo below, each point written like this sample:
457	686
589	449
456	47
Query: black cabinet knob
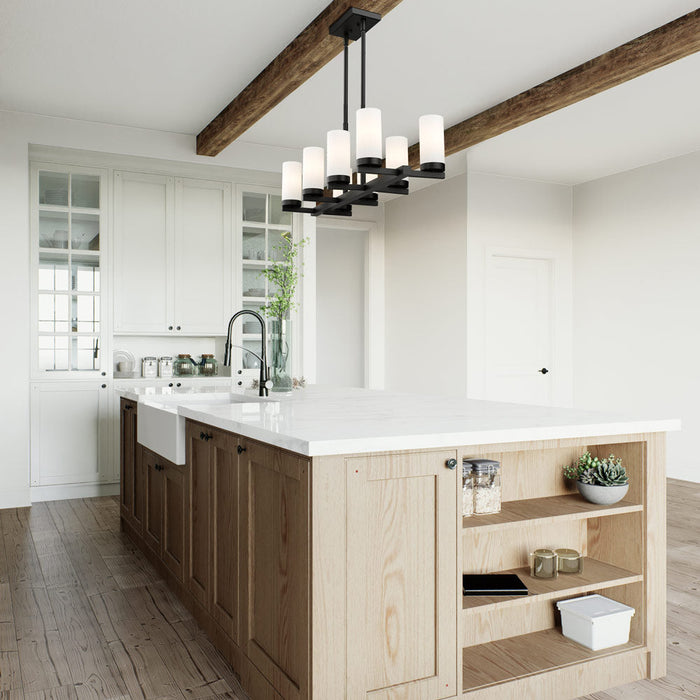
240	371
104	374
178	328
451	463
240	383
170	328
544	370
241	449
104	386
179	384
170	384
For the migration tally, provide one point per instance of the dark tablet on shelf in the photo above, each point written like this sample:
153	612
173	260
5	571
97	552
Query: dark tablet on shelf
493	584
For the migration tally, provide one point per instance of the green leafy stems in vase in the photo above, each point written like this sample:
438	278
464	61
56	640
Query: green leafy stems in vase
282	276
602	481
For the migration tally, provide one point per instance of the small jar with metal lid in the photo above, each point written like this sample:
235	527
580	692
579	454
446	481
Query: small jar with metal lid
184	366
208	367
165	366
487	486
467	489
149	367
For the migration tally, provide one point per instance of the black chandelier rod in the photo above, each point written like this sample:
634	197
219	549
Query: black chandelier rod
346	124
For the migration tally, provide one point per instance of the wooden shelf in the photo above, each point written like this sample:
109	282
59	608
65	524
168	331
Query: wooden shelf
572	507
596	574
526	655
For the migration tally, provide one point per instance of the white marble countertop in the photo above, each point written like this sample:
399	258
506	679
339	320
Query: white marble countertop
325	421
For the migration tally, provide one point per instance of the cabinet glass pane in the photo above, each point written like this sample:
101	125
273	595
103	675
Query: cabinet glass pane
85	231
53	353
53	229
53	189
253	243
54	313
83	353
53	273
85	274
253	283
254	207
277	246
85	191
250	361
86	313
277	216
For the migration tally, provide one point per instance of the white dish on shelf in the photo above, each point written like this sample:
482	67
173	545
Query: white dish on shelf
124	363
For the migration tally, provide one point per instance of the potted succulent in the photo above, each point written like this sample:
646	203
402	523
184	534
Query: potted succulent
602	481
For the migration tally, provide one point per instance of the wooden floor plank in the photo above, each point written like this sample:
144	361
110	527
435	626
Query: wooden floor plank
10	674
85	558
43	661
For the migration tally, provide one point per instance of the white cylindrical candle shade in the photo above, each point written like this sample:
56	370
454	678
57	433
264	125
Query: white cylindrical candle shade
291	181
368	133
396	151
312	170
431	131
338	156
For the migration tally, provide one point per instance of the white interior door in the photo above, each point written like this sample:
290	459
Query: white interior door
519	352
341	306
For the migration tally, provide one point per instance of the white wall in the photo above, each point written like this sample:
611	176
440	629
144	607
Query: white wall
637	298
340	306
17	131
526	217
426	258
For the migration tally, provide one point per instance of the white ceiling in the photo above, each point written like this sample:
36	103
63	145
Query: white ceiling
172	65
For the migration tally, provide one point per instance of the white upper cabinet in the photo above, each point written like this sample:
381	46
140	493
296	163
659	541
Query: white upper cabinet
202	249
172	255
143	217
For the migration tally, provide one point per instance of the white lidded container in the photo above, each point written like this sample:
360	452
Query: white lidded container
595	621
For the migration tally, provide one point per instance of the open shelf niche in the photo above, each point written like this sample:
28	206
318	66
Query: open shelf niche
505	638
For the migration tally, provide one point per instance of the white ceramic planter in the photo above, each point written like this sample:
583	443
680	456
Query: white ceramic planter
602	495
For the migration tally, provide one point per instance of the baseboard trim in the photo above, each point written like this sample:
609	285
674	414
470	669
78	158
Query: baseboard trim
15	498
62	492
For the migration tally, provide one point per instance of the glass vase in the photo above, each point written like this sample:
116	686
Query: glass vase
280	355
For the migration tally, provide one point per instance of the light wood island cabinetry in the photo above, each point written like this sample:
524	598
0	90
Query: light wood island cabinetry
339	576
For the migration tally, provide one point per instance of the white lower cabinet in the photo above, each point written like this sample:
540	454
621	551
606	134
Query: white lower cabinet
173	258
72	433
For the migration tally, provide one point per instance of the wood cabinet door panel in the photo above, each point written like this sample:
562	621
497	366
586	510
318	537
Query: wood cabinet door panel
402	589
153	501
174	521
127	456
200	482
224	537
275	555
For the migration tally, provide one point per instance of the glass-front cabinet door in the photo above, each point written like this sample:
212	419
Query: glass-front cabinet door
262	224
67	215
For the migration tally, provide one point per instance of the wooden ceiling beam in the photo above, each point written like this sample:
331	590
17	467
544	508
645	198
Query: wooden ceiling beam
658	48
305	56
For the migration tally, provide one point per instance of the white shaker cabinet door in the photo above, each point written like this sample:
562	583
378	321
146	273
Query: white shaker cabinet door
70	433
203	261
143	215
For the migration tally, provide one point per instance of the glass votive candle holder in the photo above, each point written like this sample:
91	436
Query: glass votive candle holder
543	564
569	561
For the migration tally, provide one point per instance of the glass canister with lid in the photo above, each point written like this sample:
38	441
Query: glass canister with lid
467	489
208	367
184	366
486	474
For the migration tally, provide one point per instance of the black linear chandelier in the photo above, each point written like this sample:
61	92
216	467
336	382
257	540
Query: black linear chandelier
305	182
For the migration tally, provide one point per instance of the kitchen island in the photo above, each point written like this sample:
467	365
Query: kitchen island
319	541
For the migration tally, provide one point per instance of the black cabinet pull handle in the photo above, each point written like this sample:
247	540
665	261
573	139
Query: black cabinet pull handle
201	436
451	463
241	449
544	370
